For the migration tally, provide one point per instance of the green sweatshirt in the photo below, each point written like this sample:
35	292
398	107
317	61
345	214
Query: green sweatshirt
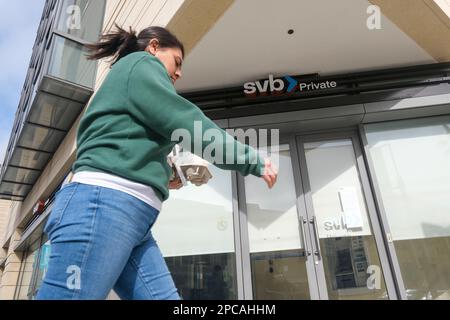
127	128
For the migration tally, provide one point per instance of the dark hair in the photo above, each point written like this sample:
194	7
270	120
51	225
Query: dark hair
120	43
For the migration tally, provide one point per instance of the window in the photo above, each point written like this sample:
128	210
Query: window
68	62
34	266
196	236
411	167
277	251
82	18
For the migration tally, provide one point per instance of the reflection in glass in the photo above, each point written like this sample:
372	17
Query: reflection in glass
40	138
28	273
276	247
204	277
33	269
19	190
411	166
68	62
43	265
348	249
21	175
29	159
279	275
53	111
195	234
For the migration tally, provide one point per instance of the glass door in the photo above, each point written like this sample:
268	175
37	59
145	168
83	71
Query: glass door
277	243
315	234
341	219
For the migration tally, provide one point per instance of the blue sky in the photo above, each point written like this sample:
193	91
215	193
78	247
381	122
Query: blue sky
18	27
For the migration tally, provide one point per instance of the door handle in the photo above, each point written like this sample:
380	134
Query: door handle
318	253
302	230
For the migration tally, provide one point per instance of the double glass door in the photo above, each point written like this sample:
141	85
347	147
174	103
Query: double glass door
315	234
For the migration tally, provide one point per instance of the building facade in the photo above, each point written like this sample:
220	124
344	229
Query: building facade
361	113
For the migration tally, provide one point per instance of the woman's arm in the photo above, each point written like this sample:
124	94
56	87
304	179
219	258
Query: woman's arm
157	105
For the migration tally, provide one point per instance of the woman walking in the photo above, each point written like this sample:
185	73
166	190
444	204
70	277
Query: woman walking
100	225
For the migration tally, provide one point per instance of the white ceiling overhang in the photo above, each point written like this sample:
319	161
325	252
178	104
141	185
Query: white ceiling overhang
251	41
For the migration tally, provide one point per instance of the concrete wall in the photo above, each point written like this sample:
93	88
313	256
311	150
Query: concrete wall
5	206
423	21
11	273
15	210
12	261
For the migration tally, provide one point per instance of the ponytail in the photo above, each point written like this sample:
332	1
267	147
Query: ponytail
121	43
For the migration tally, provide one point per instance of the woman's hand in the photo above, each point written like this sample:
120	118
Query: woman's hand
175	184
270	173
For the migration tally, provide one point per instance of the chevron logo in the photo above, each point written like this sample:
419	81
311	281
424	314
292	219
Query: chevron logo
292	83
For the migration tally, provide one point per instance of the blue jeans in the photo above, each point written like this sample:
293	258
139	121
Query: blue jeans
100	240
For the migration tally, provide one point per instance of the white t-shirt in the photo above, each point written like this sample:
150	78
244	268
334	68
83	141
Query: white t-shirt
138	190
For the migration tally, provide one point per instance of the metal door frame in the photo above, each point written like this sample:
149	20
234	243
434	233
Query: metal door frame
316	274
395	266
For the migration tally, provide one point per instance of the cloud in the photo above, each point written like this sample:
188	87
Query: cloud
18	29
